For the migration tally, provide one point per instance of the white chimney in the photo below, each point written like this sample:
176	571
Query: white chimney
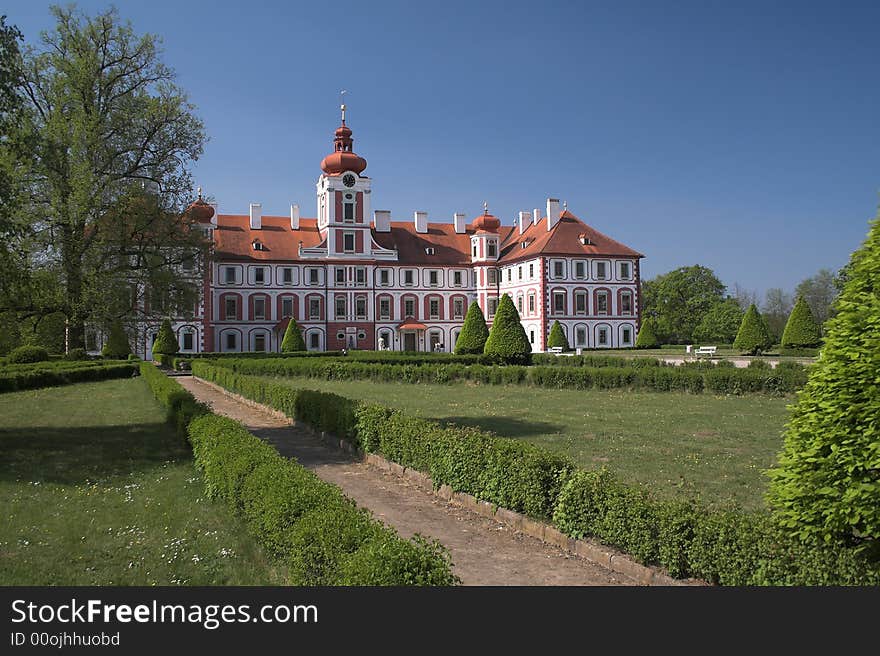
525	218
536	216
256	216
216	211
294	217
552	213
382	220
421	221
460	222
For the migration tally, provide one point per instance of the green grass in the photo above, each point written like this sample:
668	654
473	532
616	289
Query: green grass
96	490
712	447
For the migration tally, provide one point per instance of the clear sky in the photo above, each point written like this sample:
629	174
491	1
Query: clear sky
742	136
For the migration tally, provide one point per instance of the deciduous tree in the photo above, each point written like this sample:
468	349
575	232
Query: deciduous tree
678	299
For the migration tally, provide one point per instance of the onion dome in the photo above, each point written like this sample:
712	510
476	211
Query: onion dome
486	222
199	210
343	158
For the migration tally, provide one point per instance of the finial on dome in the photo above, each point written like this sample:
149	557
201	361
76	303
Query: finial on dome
200	192
485	207
342	106
565	206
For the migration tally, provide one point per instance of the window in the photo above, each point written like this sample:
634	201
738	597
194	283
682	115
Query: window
286	307
627	335
579	270
384	277
434	308
509	275
603	336
493	305
408	278
474	249
558	269
259	275
409	308
580	336
259	309
626	303
314	341
531	337
600	270
559	302
287	275
531	270
340	307
231	341
457	308
348	242
229	275
384	308
188	263
433	278
260	342
360	276
348	212
580	302
531	303
519	304
360	307
314	308
456	278
313	276
491	248
519	272
187	340
230	309
624	271
492	276
340	275
602	303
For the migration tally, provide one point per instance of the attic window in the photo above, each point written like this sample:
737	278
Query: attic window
429	250
524	244
258	245
584	240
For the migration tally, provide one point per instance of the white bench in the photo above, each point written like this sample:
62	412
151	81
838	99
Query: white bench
708	351
555	349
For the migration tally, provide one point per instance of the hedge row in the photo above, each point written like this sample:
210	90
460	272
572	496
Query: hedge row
183	362
51	377
321	536
589	360
56	365
729	547
718	380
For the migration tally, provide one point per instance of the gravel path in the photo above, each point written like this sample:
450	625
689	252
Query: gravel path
484	552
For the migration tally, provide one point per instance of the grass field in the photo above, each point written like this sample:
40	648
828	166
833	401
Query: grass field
97	490
712	447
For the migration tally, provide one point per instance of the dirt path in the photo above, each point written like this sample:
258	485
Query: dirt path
484	552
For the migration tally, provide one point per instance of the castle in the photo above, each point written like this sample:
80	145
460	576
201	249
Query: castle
353	283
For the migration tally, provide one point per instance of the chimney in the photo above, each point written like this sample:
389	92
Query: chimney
421	221
536	216
525	218
460	222
294	217
256	216
216	211
552	213
382	220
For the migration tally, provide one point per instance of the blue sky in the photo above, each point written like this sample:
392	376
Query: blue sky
741	136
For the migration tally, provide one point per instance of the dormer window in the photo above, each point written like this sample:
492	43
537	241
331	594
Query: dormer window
584	240
258	245
429	250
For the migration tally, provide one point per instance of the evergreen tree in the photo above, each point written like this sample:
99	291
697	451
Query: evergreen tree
117	346
557	337
826	485
473	335
647	336
753	336
801	330
166	340
293	339
507	341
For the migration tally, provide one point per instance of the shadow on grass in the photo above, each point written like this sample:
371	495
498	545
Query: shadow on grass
306	448
90	453
503	426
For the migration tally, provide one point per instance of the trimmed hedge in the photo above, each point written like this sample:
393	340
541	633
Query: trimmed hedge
52	376
27	354
182	406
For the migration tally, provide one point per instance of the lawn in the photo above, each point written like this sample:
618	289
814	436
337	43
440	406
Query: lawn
97	490
712	447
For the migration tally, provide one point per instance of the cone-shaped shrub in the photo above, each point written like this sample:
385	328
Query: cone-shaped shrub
801	330
166	340
557	337
753	336
293	339
473	335
508	342
647	337
827	485
117	346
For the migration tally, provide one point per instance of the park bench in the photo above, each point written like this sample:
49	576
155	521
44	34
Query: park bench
556	349
708	351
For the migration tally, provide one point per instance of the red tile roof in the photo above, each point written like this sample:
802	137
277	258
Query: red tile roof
233	237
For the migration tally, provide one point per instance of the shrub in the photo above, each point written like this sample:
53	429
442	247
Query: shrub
383	560
473	335
801	329
647	335
826	487
720	323
507	341
166	341
76	355
26	354
753	336
293	339
182	407
557	337
117	345
15	380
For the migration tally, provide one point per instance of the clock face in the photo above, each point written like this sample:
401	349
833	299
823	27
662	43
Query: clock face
348	180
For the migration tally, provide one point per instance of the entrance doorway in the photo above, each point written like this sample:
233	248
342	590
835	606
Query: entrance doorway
409	341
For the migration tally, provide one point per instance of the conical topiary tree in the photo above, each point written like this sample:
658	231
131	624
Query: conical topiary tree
826	485
166	340
647	336
508	342
473	335
801	329
293	340
753	335
557	337
117	346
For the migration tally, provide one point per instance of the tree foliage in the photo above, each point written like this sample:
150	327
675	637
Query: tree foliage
166	340
678	299
777	306
720	324
117	346
819	292
507	341
753	335
474	332
826	485
293	340
647	336
801	330
557	337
